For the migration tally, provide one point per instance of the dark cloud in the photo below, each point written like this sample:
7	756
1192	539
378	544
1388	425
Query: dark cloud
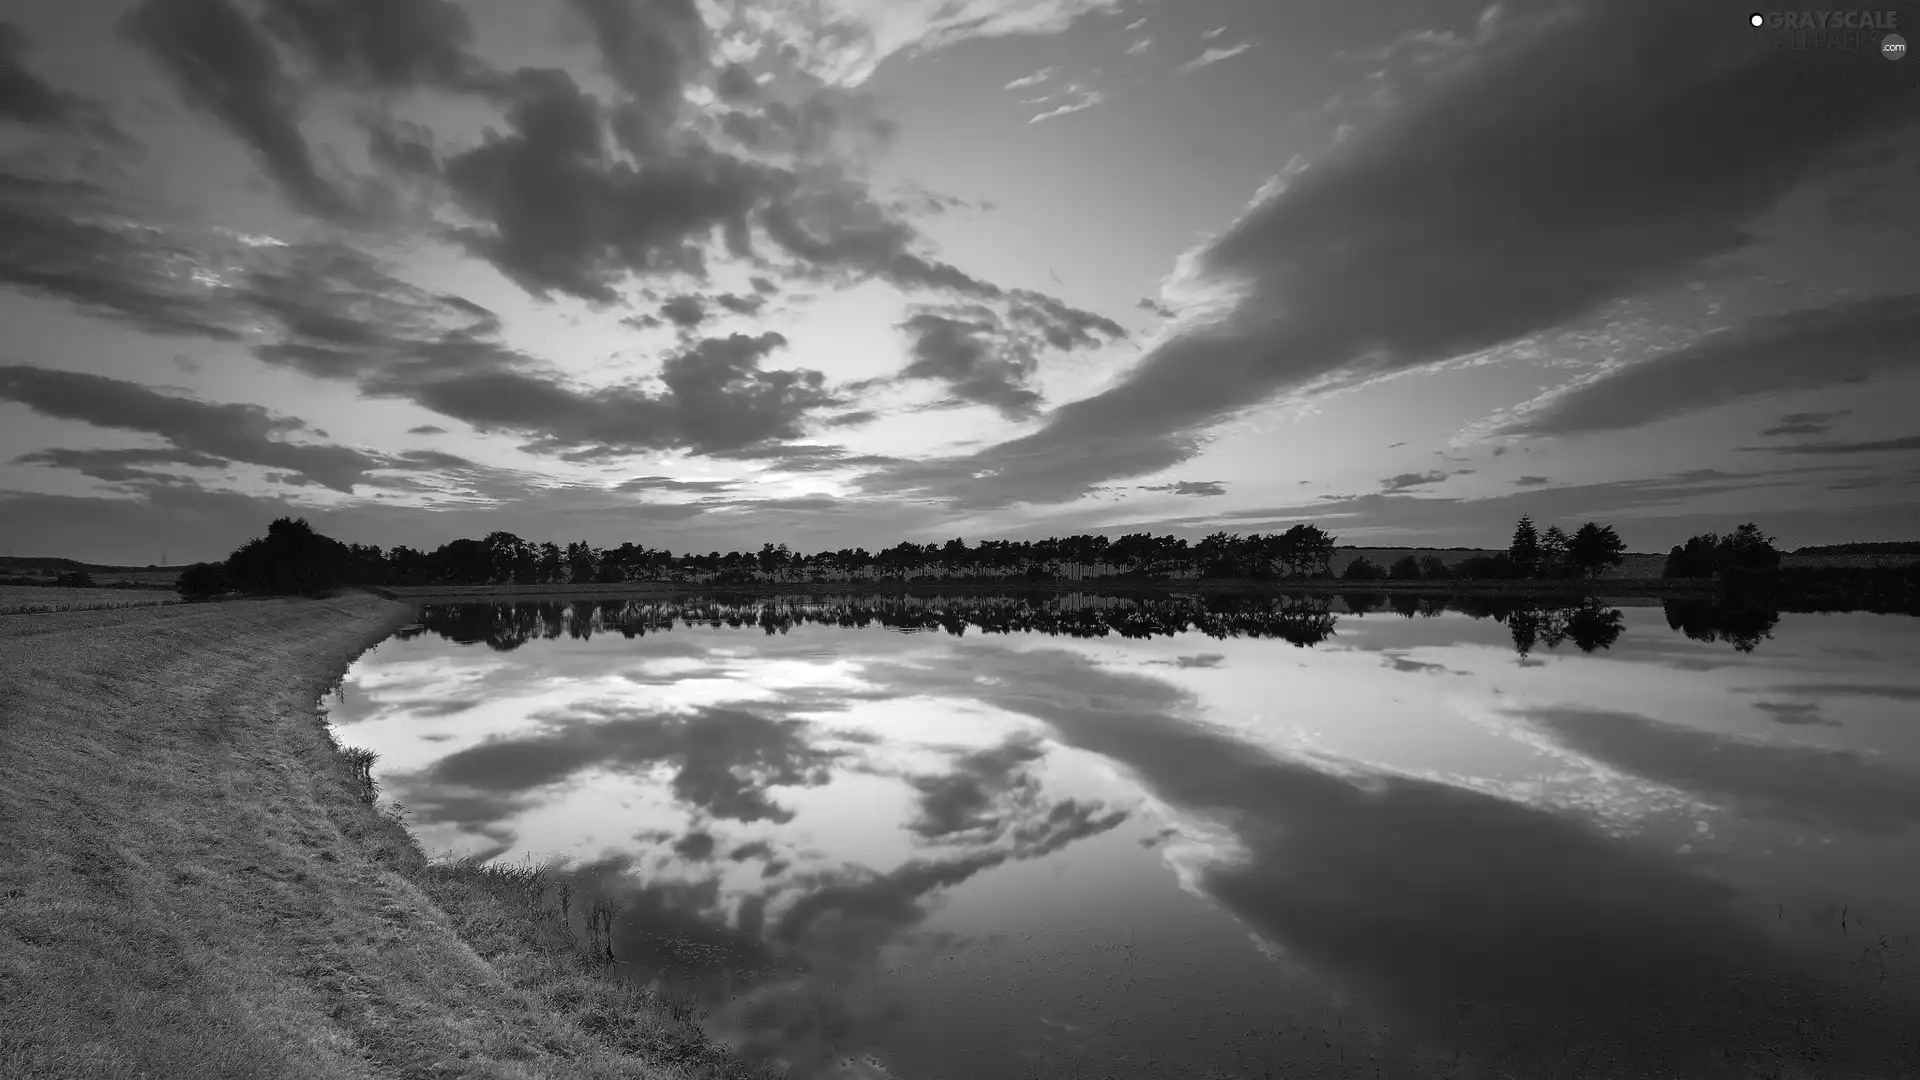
667	483
652	49
695	846
685	312
393	43
1806	423
234	432
1825	788
1889	692
726	759
26	98
1199	488
740	305
1797	351
1408	481
119	466
806	457
402	147
970	357
970	800
1162	310
558	213
852	419
1532	481
427	429
1869	446
1799	713
224	66
1536	182
1417	896
65	242
716	398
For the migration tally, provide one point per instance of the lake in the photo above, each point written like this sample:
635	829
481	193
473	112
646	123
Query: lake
1103	836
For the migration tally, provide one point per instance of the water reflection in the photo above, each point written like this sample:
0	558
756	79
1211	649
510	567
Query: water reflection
1144	837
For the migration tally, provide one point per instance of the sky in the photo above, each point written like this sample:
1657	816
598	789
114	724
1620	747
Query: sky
705	274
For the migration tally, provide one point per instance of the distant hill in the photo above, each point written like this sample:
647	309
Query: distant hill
1891	547
47	568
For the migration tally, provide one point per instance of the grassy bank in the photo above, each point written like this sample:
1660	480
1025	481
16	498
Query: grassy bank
194	881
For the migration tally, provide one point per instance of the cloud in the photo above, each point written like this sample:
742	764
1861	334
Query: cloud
685	312
1527	189
668	483
1201	488
1532	481
26	98
388	43
558	213
1806	423
1778	353
959	802
1140	46
1034	79
1870	446
66	242
1408	481
967	356
1411	894
427	429
120	466
201	432
1821	787
716	397
1076	98
1216	54
652	49
726	760
224	66
844	41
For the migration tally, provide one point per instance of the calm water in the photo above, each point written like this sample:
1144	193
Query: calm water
1236	837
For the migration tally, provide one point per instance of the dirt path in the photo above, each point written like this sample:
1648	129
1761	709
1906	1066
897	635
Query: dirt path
190	885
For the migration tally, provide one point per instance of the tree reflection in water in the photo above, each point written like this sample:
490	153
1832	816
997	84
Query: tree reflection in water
1588	624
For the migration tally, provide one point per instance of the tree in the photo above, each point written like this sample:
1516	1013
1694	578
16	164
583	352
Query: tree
1406	568
1524	551
1434	568
1554	545
1747	550
1360	569
1595	547
201	581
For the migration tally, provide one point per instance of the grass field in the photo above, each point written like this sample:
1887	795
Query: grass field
33	599
194	882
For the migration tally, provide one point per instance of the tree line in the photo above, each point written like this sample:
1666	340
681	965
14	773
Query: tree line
1532	554
293	559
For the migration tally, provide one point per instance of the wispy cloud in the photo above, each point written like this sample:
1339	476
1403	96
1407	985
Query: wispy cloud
1034	79
1076	99
1409	481
1198	488
1871	446
1805	423
1140	46
1216	54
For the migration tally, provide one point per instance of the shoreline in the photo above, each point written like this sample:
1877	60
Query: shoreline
1603	588
194	881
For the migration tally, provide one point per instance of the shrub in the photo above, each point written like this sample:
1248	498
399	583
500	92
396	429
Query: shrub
1361	569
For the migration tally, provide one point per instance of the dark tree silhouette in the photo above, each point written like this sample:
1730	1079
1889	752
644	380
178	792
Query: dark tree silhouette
1594	547
1362	569
1524	550
202	581
1405	568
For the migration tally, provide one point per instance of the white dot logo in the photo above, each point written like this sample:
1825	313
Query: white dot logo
1893	46
1758	19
